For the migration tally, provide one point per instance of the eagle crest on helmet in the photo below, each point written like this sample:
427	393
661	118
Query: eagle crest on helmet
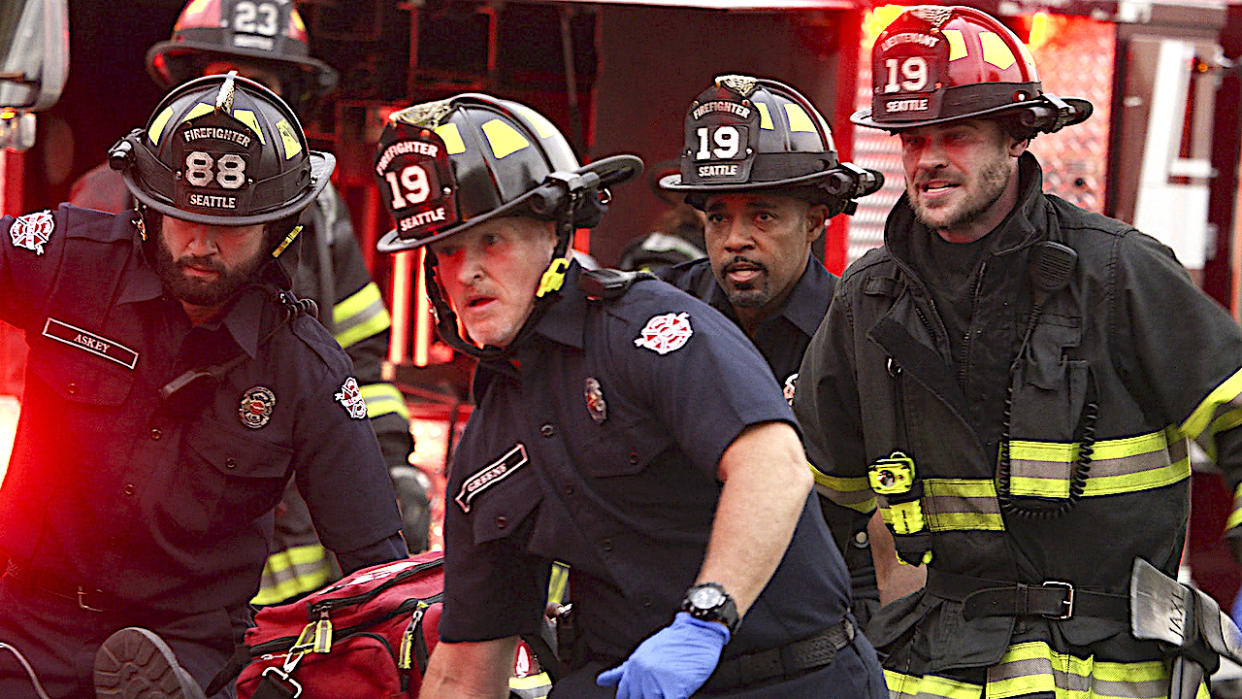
741	84
935	15
428	115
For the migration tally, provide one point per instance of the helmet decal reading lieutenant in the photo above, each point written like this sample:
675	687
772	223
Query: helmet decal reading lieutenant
443	167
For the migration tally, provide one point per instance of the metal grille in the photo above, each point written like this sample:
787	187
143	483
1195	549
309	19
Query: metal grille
1074	59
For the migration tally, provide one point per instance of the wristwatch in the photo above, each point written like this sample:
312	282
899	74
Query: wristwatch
709	602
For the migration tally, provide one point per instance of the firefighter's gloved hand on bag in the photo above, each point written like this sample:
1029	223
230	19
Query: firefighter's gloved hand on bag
672	663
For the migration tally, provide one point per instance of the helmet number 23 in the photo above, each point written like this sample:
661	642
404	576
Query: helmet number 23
229	171
722	143
909	76
410	188
255	18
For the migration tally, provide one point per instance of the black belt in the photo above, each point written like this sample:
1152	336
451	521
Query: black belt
789	660
1052	599
87	597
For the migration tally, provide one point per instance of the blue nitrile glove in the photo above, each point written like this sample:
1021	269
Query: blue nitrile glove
672	663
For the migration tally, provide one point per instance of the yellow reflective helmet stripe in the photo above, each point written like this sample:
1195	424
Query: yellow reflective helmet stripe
543	127
503	139
359	316
383	399
157	125
765	118
451	135
799	120
957	44
995	51
288	138
248	118
198	110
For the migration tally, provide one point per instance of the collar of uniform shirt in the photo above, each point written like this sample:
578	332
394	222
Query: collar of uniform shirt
564	320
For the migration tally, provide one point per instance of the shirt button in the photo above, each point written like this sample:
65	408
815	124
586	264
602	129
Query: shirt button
129	488
606	544
501	522
72	388
646	603
156	434
230	464
547	430
569	488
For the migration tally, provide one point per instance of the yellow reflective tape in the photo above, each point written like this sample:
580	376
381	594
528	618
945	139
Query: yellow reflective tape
854	493
558	582
1130	446
1057	452
765	119
957	504
543	127
1040	487
288	138
995	51
1134	482
799	120
248	118
293	571
157	126
960	487
359	316
553	277
1235	517
901	686
964	521
503	139
1201	417
289	238
452	138
198	110
854	484
383	399
532	683
1227	421
906	517
957	45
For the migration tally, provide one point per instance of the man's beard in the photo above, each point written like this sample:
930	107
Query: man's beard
752	294
992	181
200	292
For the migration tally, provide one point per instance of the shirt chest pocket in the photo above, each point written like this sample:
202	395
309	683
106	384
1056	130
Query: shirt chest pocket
498	498
230	477
622	448
79	376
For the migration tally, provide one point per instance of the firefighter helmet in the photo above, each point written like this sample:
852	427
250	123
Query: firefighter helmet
935	64
448	165
222	150
745	133
267	33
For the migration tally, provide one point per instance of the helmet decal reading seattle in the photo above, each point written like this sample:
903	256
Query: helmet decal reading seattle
413	173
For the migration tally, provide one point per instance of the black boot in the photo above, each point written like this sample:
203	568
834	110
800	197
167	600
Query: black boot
135	663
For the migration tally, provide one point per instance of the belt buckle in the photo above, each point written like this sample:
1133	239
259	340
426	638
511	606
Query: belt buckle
1067	604
82	603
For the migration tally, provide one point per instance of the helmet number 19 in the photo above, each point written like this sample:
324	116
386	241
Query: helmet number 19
913	74
413	187
725	138
201	169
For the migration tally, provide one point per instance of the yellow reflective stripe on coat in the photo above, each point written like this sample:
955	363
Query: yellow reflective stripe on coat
293	571
854	493
1034	668
955	504
1131	464
360	316
1221	406
1235	516
382	399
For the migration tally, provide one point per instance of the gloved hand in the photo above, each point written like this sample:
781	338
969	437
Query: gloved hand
672	663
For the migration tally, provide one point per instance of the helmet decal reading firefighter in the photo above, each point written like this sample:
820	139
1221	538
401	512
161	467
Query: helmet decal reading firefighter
222	150
445	166
747	133
935	64
267	33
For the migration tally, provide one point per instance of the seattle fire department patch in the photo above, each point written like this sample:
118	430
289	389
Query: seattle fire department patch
351	397
664	333
32	231
595	403
791	383
490	475
256	407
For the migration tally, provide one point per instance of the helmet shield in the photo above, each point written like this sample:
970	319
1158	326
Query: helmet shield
222	150
935	64
415	179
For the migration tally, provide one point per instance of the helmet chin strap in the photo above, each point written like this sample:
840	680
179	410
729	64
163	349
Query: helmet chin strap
550	284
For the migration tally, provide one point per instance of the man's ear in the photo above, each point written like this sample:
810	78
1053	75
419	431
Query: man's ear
1018	146
817	216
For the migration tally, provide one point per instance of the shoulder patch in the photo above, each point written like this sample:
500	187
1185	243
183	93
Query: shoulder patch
351	397
665	333
32	231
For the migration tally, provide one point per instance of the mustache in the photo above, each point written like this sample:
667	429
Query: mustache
200	261
739	261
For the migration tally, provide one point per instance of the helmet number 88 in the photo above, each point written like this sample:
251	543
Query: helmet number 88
410	188
913	74
725	138
229	171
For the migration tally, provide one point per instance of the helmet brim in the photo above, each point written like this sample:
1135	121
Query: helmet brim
321	163
325	75
673	183
611	170
1082	109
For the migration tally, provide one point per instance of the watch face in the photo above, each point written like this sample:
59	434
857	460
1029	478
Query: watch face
706	597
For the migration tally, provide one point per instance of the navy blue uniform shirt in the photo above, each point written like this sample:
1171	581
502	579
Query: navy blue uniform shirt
781	338
600	449
166	504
